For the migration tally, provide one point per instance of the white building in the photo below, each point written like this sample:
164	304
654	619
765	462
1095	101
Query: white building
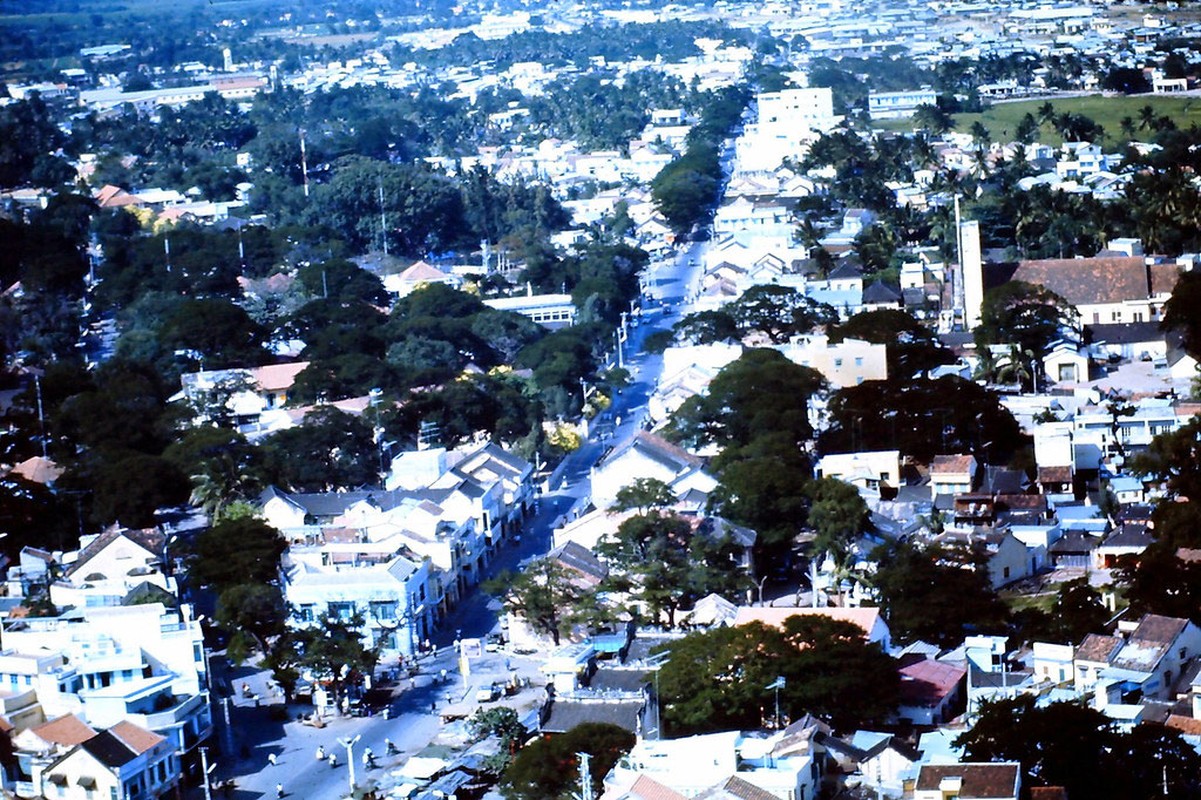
390	592
898	105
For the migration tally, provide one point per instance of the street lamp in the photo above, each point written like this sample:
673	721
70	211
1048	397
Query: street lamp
349	745
777	684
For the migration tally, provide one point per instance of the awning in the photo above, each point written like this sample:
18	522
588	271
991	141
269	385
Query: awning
57	780
86	781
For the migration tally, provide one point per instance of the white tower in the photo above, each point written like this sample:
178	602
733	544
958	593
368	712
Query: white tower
229	59
972	270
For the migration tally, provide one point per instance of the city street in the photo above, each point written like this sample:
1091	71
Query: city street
258	729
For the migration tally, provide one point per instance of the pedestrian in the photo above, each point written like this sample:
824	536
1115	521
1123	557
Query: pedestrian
333	759
412	683
320	752
279	790
271	759
433	706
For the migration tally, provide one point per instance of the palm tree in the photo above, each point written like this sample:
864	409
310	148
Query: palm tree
1127	126
986	365
1046	113
1018	368
1146	118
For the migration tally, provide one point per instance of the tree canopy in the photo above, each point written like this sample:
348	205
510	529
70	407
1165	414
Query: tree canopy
937	594
721	679
1052	741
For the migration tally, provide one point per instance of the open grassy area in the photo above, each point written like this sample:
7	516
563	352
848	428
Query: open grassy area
1002	119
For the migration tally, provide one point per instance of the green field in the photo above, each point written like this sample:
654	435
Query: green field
1002	119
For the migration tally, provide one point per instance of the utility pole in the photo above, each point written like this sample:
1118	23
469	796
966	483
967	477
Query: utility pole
585	776
37	384
383	219
304	164
349	745
204	765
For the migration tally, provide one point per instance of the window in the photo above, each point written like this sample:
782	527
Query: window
341	610
383	609
859	361
305	612
837	363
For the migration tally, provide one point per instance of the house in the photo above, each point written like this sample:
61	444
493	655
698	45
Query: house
1073	550
727	764
641	787
953	474
1103	289
1128	540
931	692
141	663
1065	363
846	363
121	763
1053	662
869	470
874	628
389	589
240	396
885	761
551	311
1008	559
646	455
418	275
1144	664
111	564
971	781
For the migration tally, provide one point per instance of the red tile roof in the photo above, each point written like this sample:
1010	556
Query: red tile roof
979	780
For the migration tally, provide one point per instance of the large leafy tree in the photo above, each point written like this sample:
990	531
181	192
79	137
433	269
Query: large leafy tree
937	594
548	769
1027	315
334	652
1182	312
330	450
660	562
1052	741
548	596
778	312
720	679
912	348
759	395
237	551
756	411
921	418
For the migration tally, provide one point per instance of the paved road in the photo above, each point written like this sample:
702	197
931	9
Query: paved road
258	731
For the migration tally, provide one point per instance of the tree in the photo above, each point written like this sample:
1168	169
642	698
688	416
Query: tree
938	594
719	679
761	394
329	450
235	552
921	418
912	348
333	651
254	614
548	768
1051	741
837	515
658	559
778	312
932	119
706	327
1077	612
1182	312
547	595
505	725
1027	315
